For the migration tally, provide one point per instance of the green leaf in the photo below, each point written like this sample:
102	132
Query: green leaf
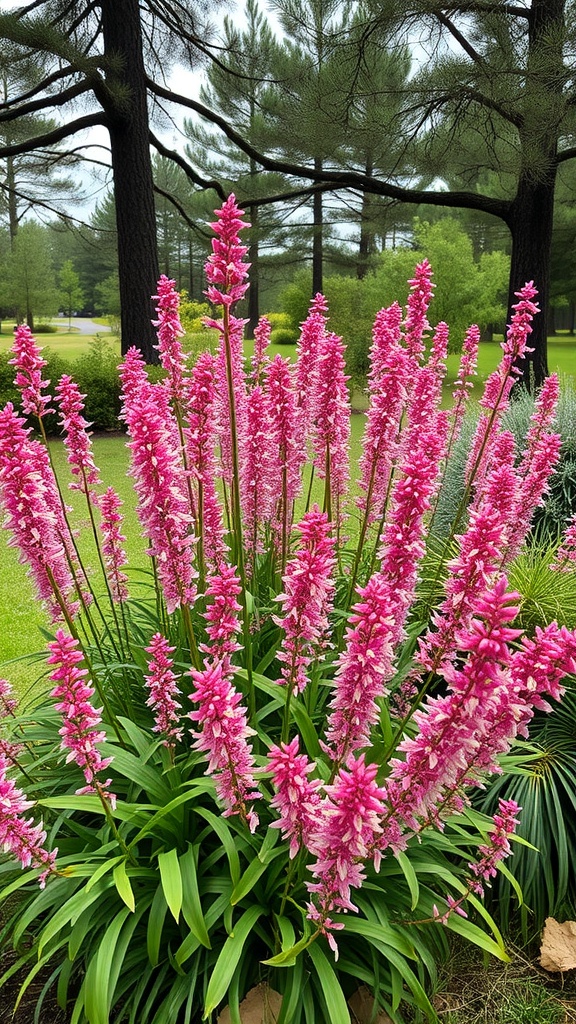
228	959
70	912
287	957
202	786
96	999
122	883
410	876
102	869
251	876
137	771
155	924
171	881
191	903
338	1012
222	830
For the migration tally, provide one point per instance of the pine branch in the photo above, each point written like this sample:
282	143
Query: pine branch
64	131
171	154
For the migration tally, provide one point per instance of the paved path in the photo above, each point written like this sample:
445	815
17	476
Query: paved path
82	324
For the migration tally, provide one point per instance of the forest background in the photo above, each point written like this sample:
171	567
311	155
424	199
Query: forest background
352	134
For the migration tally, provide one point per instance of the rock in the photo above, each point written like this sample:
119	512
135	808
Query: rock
558	949
362	1006
260	1006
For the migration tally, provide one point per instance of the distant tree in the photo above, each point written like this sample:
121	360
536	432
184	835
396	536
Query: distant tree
71	294
29	285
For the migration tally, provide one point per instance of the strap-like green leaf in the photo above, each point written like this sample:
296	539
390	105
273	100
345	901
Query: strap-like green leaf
122	883
228	959
171	879
338	1012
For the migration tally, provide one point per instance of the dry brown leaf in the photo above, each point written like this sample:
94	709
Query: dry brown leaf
558	950
362	1006
261	1006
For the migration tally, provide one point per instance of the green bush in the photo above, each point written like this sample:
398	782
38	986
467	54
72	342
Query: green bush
97	375
279	320
284	336
192	313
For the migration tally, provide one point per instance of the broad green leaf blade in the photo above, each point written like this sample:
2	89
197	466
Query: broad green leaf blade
98	973
229	957
411	878
171	881
156	919
338	1012
191	903
122	883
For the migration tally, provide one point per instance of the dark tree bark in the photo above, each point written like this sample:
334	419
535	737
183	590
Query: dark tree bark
317	236
127	124
254	261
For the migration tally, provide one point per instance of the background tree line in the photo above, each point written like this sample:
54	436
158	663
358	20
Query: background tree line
333	135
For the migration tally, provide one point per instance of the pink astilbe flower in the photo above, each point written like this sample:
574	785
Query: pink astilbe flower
164	692
225	268
460	735
312	334
259	468
224	734
34	514
163	504
289	448
112	539
498	846
77	440
391	380
170	330
331	438
21	837
480	558
541	454
222	615
260	357
132	373
538	666
346	836
364	668
464	382
296	796
307	599
29	365
230	402
416	324
200	440
500	383
386	339
403	543
8	704
80	732
565	557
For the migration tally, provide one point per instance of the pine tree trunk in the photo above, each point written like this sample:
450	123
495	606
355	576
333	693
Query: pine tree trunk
531	227
253	259
532	211
132	170
317	236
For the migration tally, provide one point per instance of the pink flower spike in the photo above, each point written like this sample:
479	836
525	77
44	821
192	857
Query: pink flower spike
77	440
170	330
29	365
307	599
416	324
565	557
225	268
498	846
21	837
164	692
312	334
331	438
223	736
346	835
112	540
222	615
80	733
296	798
364	668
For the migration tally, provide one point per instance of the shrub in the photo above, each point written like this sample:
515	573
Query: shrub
284	336
192	313
294	656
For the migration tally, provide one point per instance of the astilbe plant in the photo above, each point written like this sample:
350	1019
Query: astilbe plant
250	769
